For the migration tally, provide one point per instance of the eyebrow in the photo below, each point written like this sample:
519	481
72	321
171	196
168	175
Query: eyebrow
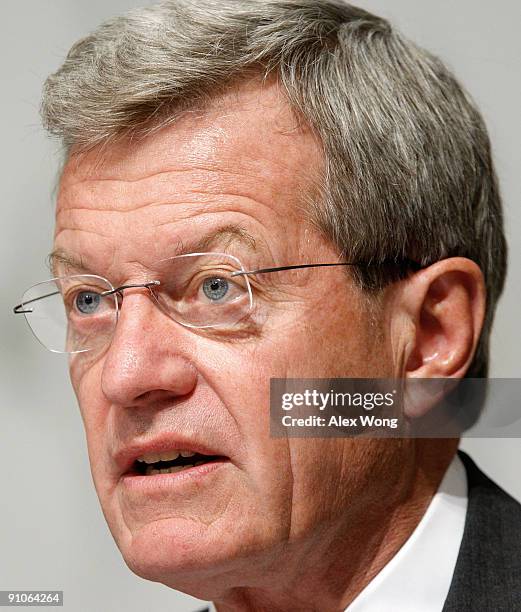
60	258
226	235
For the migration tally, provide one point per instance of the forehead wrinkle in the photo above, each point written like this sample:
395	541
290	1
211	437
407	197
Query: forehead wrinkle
204	204
65	228
217	168
205	188
225	235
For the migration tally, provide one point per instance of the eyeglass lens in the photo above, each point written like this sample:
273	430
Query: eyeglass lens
72	314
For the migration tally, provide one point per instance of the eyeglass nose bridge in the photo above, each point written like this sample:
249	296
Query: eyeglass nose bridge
121	288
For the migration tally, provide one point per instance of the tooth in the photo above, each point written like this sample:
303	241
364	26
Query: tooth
199	463
169	455
186	453
149	470
151	458
153	471
188	465
140	459
176	468
164	471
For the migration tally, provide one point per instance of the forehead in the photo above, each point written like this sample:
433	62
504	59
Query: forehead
251	128
246	153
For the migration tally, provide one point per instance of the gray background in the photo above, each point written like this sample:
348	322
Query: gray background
52	532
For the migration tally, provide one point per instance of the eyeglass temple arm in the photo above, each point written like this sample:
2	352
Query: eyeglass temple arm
280	268
18	309
318	265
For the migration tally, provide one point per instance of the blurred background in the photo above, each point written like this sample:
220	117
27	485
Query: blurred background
52	532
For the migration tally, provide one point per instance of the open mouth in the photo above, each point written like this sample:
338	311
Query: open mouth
171	462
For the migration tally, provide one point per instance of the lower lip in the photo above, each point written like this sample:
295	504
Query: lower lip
153	482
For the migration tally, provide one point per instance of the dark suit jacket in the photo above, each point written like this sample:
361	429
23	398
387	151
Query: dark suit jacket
487	577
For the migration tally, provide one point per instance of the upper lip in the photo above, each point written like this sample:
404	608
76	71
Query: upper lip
127	455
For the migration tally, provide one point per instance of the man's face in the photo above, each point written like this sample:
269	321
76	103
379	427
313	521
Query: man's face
159	386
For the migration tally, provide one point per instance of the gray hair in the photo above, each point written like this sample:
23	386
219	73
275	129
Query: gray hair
408	168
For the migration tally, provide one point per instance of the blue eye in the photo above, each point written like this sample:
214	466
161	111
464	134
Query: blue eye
215	288
88	302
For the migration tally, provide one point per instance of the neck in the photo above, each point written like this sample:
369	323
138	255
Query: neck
327	572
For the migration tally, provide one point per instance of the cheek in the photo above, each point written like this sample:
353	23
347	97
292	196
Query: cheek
342	342
293	470
344	479
86	382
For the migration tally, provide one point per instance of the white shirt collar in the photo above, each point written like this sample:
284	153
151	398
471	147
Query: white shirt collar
418	577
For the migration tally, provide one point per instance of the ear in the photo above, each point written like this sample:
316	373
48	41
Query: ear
443	307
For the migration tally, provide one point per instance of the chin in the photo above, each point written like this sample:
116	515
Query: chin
181	555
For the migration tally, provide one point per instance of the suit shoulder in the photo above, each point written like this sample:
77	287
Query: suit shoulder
487	576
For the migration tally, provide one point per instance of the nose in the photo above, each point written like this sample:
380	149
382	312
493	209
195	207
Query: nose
147	360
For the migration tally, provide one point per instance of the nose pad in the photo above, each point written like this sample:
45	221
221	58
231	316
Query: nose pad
119	295
164	307
154	294
119	290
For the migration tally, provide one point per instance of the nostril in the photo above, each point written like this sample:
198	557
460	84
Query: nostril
144	396
156	395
